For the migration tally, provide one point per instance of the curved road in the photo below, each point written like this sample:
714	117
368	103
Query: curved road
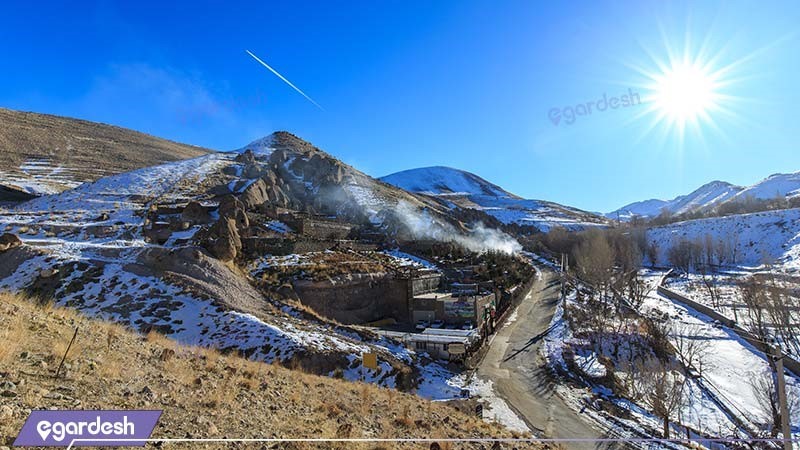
519	372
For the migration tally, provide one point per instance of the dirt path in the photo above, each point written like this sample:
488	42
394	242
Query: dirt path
519	373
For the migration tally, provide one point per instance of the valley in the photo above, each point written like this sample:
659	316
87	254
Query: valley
290	260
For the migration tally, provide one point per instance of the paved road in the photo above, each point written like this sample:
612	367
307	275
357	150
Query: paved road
519	373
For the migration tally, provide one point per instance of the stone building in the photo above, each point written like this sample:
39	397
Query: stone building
453	309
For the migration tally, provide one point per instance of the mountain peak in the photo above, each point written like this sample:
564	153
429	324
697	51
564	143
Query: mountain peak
443	180
282	140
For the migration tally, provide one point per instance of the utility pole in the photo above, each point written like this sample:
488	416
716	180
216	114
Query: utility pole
787	431
563	275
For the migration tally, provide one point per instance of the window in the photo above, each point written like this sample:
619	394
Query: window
422	345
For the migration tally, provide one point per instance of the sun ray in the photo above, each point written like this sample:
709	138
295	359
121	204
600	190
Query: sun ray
686	88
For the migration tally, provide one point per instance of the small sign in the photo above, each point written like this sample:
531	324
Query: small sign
479	410
456	349
370	360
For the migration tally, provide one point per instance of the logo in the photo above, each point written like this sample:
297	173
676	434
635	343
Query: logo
571	113
80	428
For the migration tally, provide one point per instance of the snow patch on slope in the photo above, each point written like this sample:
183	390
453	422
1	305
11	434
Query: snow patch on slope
457	188
770	236
708	195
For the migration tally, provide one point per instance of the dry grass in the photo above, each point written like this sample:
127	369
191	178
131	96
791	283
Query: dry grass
202	392
91	145
13	333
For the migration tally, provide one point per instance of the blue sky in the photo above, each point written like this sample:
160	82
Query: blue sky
409	84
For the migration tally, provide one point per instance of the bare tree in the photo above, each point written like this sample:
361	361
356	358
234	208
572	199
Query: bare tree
709	250
661	389
722	251
753	294
711	283
690	347
766	394
652	253
595	259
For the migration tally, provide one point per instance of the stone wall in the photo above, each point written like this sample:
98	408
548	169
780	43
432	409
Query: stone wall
424	283
356	298
257	246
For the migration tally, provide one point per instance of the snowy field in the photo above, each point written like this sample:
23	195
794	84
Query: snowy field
726	387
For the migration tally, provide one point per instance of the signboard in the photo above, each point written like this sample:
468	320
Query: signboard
456	348
462	309
370	360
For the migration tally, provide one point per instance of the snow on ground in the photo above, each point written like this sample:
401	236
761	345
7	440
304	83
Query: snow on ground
730	303
409	259
713	194
442	180
701	413
40	177
496	409
119	193
779	184
729	363
556	339
261	147
771	235
439	383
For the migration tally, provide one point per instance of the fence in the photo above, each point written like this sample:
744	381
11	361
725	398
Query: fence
789	363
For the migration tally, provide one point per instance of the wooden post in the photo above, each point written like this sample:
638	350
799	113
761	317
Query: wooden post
58	371
787	431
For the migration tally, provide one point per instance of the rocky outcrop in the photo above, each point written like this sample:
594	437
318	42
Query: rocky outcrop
13	194
158	233
231	207
246	157
223	240
9	241
255	195
196	214
197	273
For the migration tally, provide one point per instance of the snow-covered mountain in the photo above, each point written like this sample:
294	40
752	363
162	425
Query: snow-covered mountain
776	185
460	189
711	195
445	181
708	195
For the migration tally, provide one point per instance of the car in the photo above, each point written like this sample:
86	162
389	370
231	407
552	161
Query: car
467	325
437	324
422	325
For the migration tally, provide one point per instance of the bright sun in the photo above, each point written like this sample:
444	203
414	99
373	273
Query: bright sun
684	93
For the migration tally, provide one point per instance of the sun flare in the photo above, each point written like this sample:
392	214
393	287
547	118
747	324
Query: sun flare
684	93
687	91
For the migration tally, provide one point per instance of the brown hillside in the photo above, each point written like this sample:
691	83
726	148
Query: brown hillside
202	392
86	150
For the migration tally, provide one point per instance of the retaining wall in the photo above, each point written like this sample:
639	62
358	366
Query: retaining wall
789	363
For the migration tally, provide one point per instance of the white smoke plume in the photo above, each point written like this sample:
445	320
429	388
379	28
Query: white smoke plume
422	225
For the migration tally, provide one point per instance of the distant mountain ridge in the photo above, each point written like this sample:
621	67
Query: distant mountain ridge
705	196
712	195
457	188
